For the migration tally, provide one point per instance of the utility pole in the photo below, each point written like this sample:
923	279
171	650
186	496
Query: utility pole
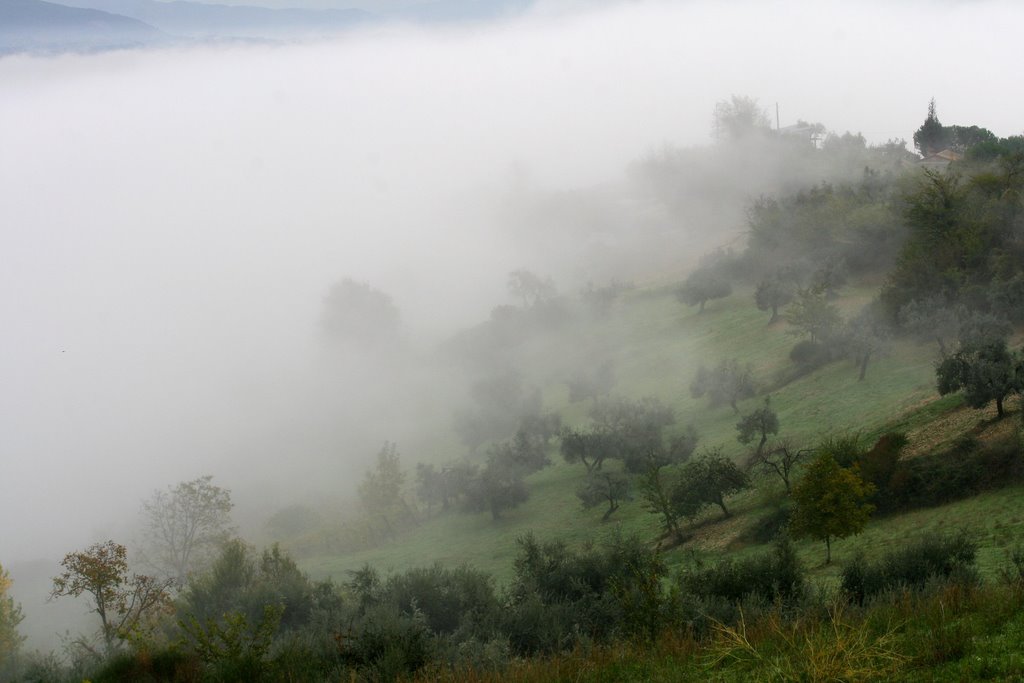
776	117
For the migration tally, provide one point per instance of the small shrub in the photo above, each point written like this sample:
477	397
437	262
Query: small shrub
964	470
168	664
560	597
1012	573
447	599
386	644
768	527
878	464
809	355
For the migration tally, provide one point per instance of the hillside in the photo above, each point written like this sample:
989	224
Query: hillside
796	454
659	347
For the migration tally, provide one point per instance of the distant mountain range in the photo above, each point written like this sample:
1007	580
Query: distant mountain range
77	25
200	20
35	25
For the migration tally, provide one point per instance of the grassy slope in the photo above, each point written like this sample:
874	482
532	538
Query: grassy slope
657	345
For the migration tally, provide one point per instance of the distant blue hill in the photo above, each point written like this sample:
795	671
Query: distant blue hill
89	25
200	20
462	10
35	25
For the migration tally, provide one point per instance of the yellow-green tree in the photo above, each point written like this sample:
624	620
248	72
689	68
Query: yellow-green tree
10	617
830	502
124	603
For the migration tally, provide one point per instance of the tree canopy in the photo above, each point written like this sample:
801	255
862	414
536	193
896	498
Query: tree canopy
984	371
932	136
830	502
773	293
707	480
604	487
123	602
357	313
758	425
701	286
739	117
728	382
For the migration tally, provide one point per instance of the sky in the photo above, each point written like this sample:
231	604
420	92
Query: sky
171	219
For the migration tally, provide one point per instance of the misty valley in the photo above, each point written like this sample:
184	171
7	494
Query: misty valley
435	341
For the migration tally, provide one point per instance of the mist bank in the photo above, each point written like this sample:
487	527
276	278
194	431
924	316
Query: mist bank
173	219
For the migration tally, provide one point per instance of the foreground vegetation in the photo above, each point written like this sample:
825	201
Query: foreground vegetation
614	612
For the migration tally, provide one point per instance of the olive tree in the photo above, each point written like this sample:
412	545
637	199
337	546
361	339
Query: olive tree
590	448
635	429
701	286
773	293
707	480
758	425
604	487
498	487
866	336
931	319
812	315
984	371
728	382
656	492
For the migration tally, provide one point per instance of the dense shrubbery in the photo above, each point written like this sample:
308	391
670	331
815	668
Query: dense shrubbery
932	558
559	596
776	575
965	469
255	617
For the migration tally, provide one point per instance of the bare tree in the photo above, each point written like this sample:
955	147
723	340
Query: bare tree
780	458
185	525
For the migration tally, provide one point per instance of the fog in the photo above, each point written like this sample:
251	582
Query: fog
170	220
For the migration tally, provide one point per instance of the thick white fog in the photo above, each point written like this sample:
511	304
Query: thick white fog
171	220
